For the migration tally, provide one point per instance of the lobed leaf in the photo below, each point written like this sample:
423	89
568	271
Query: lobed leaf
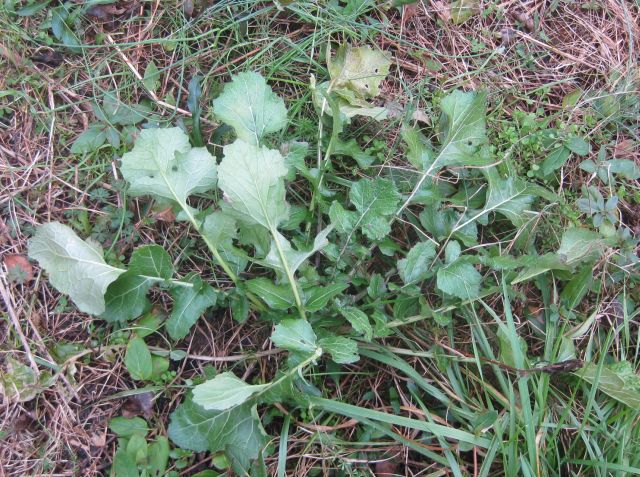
250	107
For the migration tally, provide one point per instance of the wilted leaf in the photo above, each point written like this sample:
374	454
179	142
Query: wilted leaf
619	381
357	72
462	10
75	267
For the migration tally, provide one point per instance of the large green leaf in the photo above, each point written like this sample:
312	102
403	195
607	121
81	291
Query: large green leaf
277	297
188	304
294	335
151	261
343	350
252	179
224	391
76	267
509	197
375	200
460	279
237	431
415	266
163	164
462	129
249	106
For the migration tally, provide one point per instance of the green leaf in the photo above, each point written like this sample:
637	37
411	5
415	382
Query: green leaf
220	229
163	164
237	430
376	200
151	261
506	346
158	457
463	130
342	350
294	258
189	303
452	252
510	197
618	381
359	321
419	153
249	106
278	297
294	335
459	279
317	297
89	140
151	78
415	267
75	267
224	391
138	359
126	298
577	288
578	146
579	245
357	72
555	160
252	179
124	465
127	427
351	149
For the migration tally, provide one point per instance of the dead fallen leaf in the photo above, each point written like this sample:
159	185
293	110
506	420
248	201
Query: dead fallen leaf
105	12
387	468
138	404
18	267
443	10
165	215
625	149
50	58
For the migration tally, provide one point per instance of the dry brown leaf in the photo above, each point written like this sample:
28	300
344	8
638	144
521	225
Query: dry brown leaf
18	268
625	149
138	404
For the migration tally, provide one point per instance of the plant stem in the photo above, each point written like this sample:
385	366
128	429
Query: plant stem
221	261
290	276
